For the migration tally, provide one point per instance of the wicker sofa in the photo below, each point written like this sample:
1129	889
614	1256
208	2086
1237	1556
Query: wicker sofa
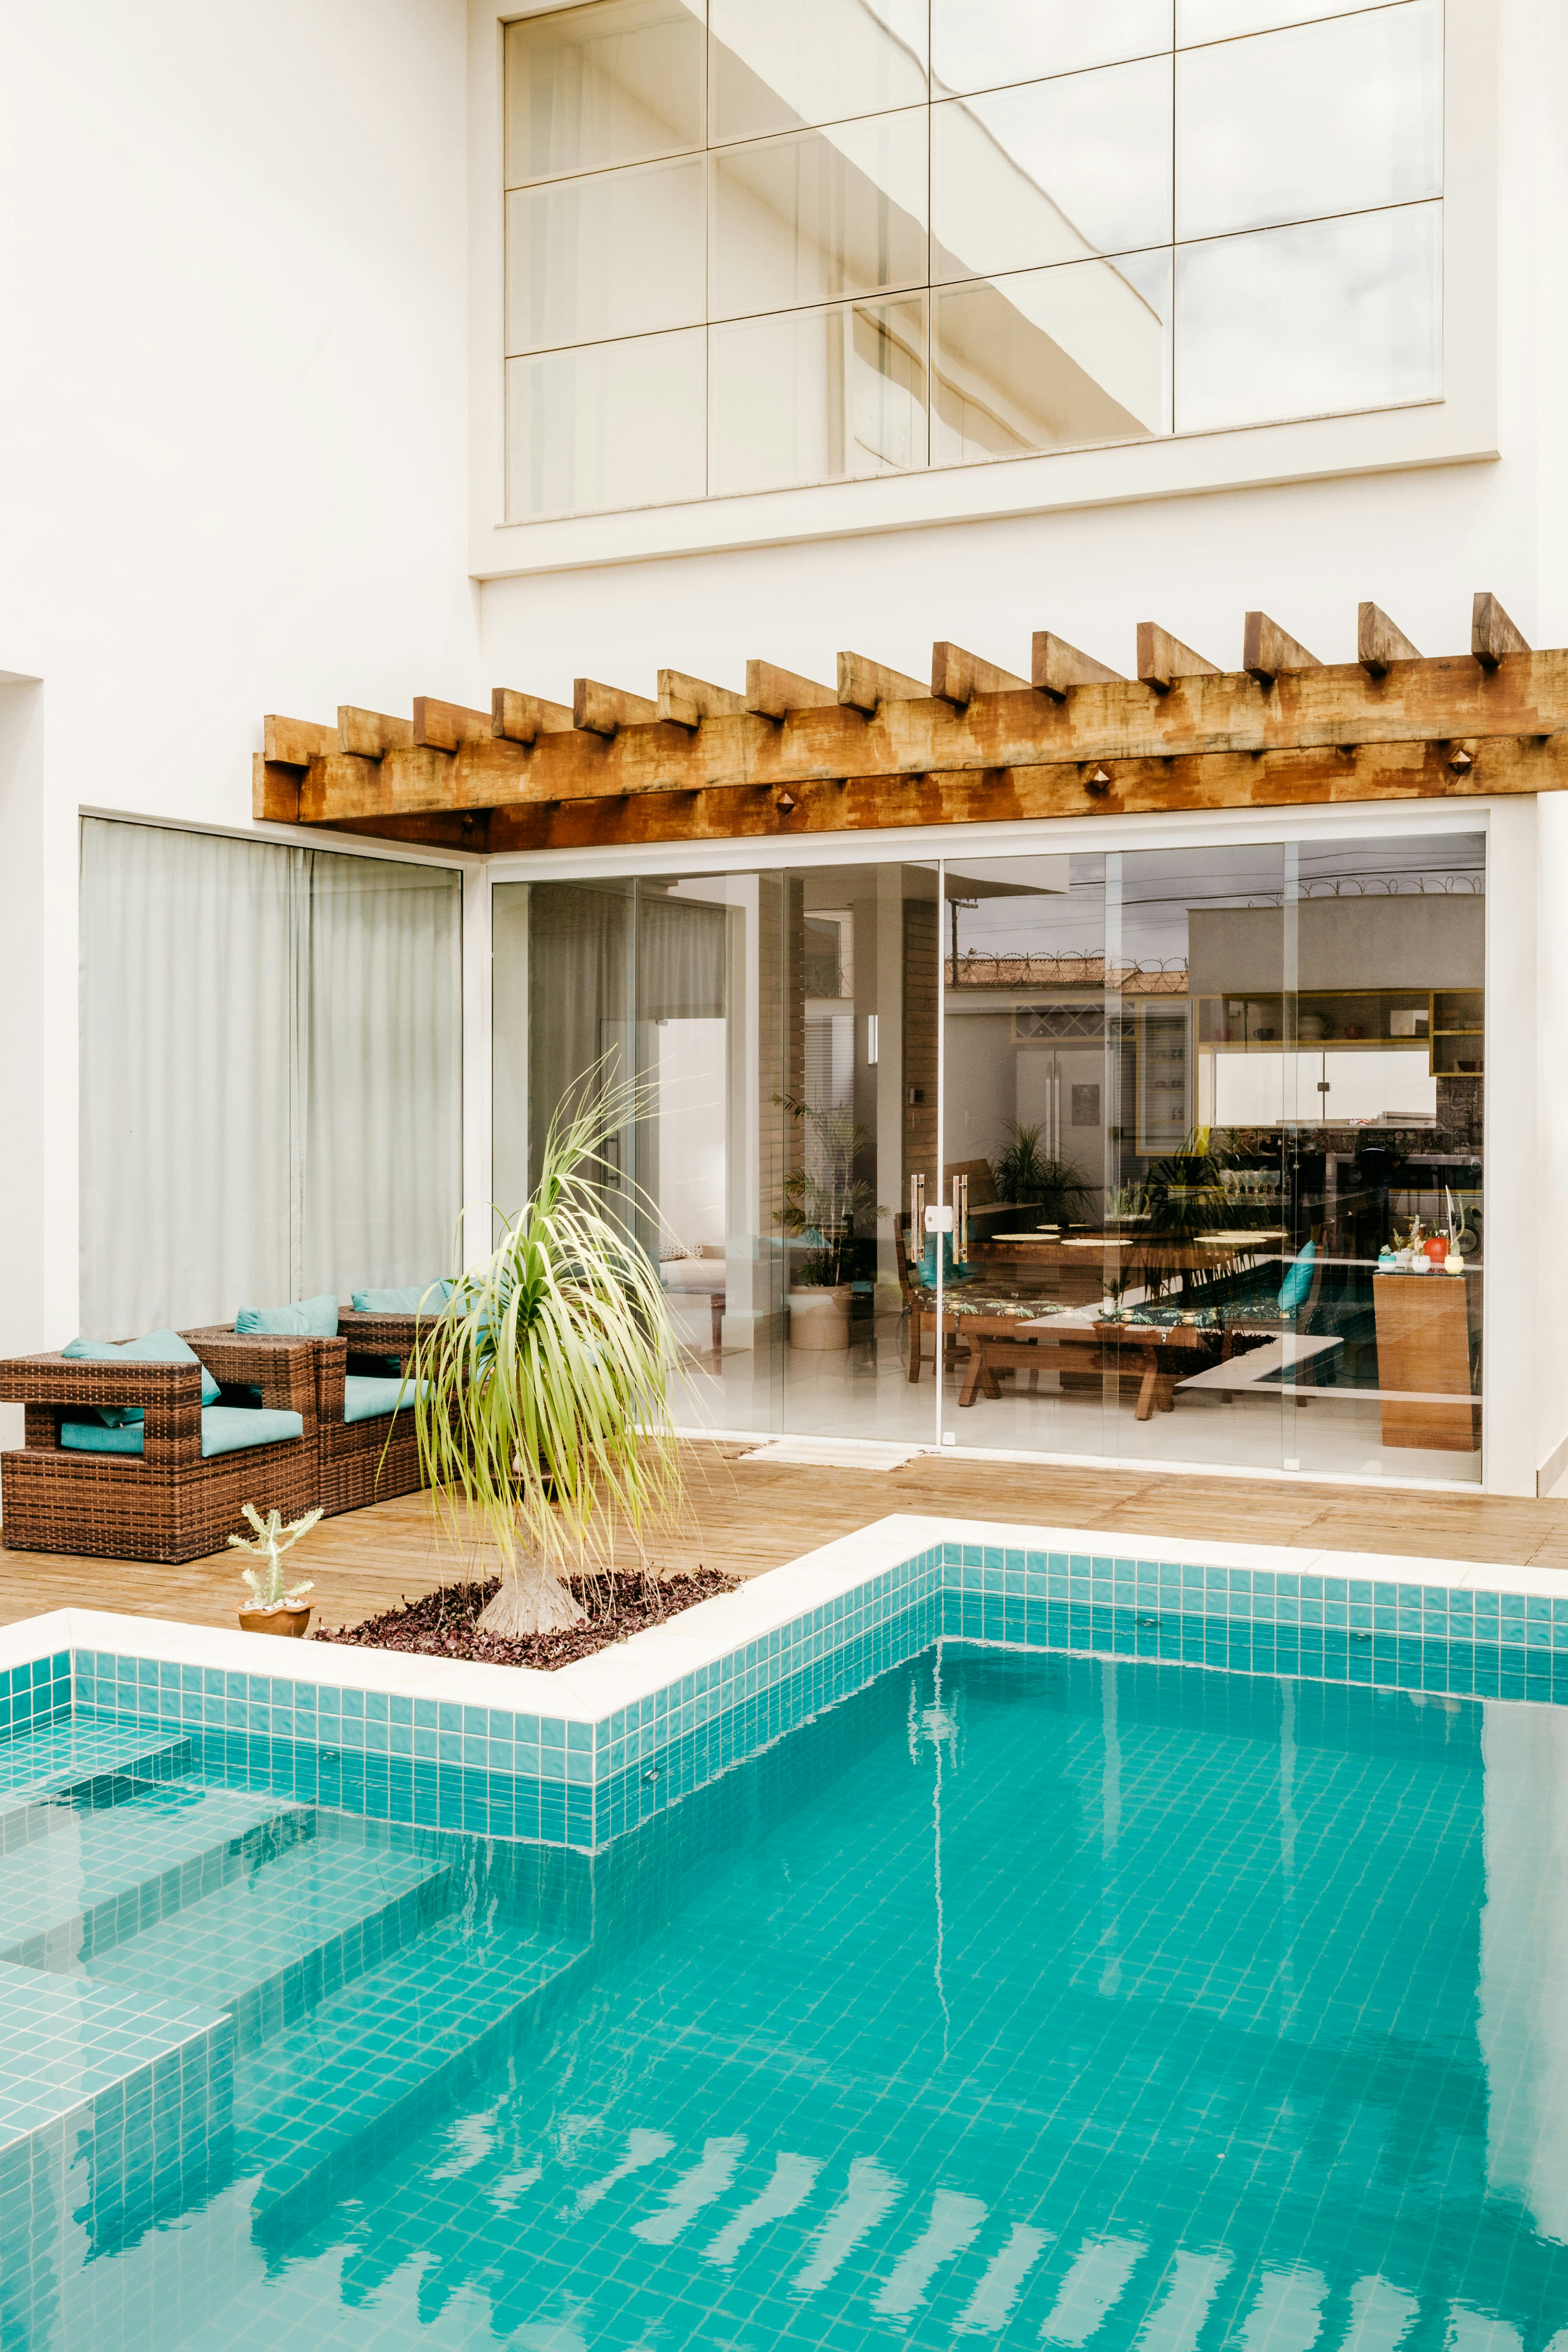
169	1502
374	1456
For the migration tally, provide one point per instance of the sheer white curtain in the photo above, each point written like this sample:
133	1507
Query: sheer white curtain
383	1102
270	1074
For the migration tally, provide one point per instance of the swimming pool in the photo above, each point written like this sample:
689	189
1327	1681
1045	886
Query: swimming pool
1012	1996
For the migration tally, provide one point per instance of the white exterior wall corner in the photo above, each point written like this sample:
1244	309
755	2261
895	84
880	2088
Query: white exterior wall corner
233	453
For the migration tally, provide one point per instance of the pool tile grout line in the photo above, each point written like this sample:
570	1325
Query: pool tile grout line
598	1746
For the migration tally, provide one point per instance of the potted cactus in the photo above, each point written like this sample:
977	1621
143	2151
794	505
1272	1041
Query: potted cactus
276	1606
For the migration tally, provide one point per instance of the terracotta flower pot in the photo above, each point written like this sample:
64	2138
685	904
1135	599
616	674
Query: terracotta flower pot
279	1619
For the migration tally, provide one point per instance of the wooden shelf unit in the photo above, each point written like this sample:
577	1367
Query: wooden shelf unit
1450	1013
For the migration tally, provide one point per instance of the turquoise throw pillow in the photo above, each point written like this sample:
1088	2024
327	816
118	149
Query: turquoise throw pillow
417	1298
1299	1281
307	1318
156	1347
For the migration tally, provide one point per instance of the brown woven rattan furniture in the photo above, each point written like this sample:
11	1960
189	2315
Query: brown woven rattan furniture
170	1502
361	1460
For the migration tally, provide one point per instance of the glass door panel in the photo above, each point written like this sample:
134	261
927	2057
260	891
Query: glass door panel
858	1141
1198	1098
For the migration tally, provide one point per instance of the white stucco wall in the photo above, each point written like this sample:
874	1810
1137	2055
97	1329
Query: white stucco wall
232	454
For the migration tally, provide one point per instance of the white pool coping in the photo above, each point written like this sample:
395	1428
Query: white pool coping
617	1677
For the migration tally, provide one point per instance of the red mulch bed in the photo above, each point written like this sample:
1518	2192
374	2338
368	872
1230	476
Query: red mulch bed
442	1625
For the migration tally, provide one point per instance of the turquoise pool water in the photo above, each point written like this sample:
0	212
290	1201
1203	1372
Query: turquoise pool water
1018	2000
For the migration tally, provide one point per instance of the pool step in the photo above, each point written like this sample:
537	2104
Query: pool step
104	1875
385	2057
308	1917
80	1765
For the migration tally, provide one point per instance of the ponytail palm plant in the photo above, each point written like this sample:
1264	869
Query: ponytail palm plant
542	1396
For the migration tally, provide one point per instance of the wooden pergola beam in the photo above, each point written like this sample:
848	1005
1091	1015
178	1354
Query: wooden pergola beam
792	751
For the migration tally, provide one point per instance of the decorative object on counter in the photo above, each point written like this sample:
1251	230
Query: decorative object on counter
277	1606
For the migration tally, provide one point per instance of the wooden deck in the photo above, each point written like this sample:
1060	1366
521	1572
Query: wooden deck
747	1517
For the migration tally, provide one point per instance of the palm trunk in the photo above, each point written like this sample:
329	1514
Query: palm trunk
531	1600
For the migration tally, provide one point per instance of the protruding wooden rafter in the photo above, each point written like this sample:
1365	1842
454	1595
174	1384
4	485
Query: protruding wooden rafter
710	757
605	710
371	734
957	676
687	701
1494	635
442	726
774	693
1163	659
1056	667
1268	651
1379	644
865	684
521	718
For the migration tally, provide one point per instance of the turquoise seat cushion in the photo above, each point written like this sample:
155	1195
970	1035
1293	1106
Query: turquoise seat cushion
307	1318
417	1298
1299	1281
92	1437
226	1429
156	1347
364	1397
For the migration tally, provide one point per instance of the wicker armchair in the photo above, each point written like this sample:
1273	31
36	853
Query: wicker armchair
170	1502
361	1461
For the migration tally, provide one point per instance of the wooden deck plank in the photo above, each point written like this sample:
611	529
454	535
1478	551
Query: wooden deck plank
747	1517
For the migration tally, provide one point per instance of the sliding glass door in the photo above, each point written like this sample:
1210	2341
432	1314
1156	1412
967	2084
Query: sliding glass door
1201	1124
1219	1114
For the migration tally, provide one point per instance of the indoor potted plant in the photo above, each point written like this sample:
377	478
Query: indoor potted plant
276	1606
541	1390
823	1201
1031	1179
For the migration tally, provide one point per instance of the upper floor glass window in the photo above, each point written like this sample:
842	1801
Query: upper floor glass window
753	245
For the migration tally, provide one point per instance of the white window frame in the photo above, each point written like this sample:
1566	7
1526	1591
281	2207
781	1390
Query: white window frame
1458	427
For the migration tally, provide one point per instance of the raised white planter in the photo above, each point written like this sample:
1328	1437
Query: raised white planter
819	1316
